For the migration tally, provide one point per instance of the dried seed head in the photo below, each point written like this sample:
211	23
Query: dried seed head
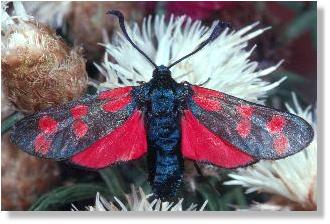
38	69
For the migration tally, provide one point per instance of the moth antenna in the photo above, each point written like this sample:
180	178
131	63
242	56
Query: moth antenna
218	29
121	19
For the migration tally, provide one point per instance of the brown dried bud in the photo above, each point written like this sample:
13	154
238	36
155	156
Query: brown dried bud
87	20
38	68
24	178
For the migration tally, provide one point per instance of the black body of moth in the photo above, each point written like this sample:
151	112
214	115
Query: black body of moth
163	100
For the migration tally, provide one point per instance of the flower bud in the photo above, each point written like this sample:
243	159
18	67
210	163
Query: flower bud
38	68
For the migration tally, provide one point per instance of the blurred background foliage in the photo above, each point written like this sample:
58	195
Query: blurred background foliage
292	38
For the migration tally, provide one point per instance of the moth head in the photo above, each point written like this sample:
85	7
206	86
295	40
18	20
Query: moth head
163	70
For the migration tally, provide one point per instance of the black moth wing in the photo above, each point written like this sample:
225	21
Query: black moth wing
260	131
62	131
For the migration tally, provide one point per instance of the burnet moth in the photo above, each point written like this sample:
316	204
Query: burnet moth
166	121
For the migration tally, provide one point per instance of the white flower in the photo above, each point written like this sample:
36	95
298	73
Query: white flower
293	178
138	201
269	206
20	30
6	19
52	13
224	65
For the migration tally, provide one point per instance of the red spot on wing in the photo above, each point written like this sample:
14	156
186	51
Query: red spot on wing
79	111
47	125
125	143
244	128
198	143
276	124
41	144
200	91
280	144
115	93
80	128
115	105
207	103
245	111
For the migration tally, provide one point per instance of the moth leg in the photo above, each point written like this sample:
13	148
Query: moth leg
141	82
202	84
198	169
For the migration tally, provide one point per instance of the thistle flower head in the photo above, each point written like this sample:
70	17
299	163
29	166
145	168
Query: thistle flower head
223	65
139	201
38	68
292	179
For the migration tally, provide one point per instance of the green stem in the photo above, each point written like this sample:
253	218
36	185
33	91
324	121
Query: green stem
8	123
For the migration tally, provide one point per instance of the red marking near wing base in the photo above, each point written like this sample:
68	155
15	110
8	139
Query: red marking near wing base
245	111
41	144
244	128
79	111
280	144
115	93
80	128
206	92
276	124
207	103
125	143
115	105
47	124
198	143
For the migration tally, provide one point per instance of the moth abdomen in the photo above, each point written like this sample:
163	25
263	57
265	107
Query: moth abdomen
165	161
